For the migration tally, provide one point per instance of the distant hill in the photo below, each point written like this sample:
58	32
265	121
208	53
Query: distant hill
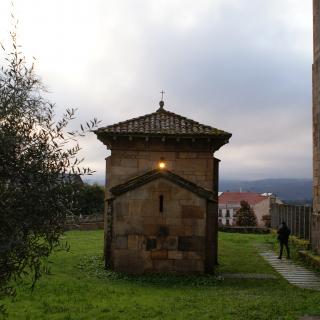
288	190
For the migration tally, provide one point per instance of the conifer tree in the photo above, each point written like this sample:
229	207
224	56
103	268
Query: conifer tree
245	216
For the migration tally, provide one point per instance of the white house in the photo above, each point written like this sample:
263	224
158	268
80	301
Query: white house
229	203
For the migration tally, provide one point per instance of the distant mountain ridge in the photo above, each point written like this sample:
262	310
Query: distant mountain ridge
288	190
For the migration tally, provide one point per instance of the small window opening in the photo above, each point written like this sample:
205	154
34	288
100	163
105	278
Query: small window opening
184	243
151	244
161	203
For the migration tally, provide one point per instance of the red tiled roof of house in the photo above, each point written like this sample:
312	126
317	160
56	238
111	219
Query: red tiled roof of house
162	122
236	197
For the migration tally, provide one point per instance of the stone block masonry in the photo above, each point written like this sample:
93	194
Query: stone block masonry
162	193
316	127
197	168
178	232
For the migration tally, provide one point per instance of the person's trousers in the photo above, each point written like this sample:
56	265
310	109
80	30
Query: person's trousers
282	244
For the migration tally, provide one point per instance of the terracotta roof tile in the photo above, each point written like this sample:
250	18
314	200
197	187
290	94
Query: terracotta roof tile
236	197
162	122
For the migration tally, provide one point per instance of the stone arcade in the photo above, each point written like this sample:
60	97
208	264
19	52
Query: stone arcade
162	202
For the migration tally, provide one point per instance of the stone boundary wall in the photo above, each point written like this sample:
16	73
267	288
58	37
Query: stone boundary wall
89	222
310	259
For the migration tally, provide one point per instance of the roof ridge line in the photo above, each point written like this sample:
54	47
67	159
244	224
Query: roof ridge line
163	121
151	175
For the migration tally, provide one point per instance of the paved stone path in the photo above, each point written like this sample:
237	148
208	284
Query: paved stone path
295	274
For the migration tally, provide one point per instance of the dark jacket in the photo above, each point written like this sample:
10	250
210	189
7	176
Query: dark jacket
283	233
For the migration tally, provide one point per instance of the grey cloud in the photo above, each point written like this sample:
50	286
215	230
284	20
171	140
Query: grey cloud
242	66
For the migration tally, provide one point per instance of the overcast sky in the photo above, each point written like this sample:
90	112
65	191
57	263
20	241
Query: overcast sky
243	66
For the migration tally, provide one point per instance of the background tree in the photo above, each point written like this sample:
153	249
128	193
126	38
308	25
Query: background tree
38	157
91	199
245	216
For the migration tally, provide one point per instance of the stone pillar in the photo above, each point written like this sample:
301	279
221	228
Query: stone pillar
215	189
211	237
315	231
108	232
211	255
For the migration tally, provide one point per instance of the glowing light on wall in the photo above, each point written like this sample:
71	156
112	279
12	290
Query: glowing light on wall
162	164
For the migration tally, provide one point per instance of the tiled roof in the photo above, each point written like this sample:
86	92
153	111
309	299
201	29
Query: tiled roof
236	197
166	174
162	122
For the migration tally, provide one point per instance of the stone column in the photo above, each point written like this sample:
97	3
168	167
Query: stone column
108	232
316	123
211	237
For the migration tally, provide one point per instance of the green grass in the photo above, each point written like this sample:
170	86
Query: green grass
79	288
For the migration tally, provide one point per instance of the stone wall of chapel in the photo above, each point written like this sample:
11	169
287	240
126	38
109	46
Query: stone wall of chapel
123	165
178	232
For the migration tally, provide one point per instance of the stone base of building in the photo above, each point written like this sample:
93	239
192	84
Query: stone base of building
155	261
161	222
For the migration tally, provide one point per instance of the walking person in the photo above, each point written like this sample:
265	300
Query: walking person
283	237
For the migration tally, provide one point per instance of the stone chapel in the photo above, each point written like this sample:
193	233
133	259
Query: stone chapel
161	194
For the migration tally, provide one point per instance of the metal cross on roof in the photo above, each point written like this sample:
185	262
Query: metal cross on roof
162	93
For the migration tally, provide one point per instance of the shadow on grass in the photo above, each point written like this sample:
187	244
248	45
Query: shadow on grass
93	266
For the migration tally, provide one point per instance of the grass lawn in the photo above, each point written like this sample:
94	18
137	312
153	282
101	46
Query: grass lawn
79	288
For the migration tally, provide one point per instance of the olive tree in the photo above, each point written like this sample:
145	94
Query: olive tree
38	158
